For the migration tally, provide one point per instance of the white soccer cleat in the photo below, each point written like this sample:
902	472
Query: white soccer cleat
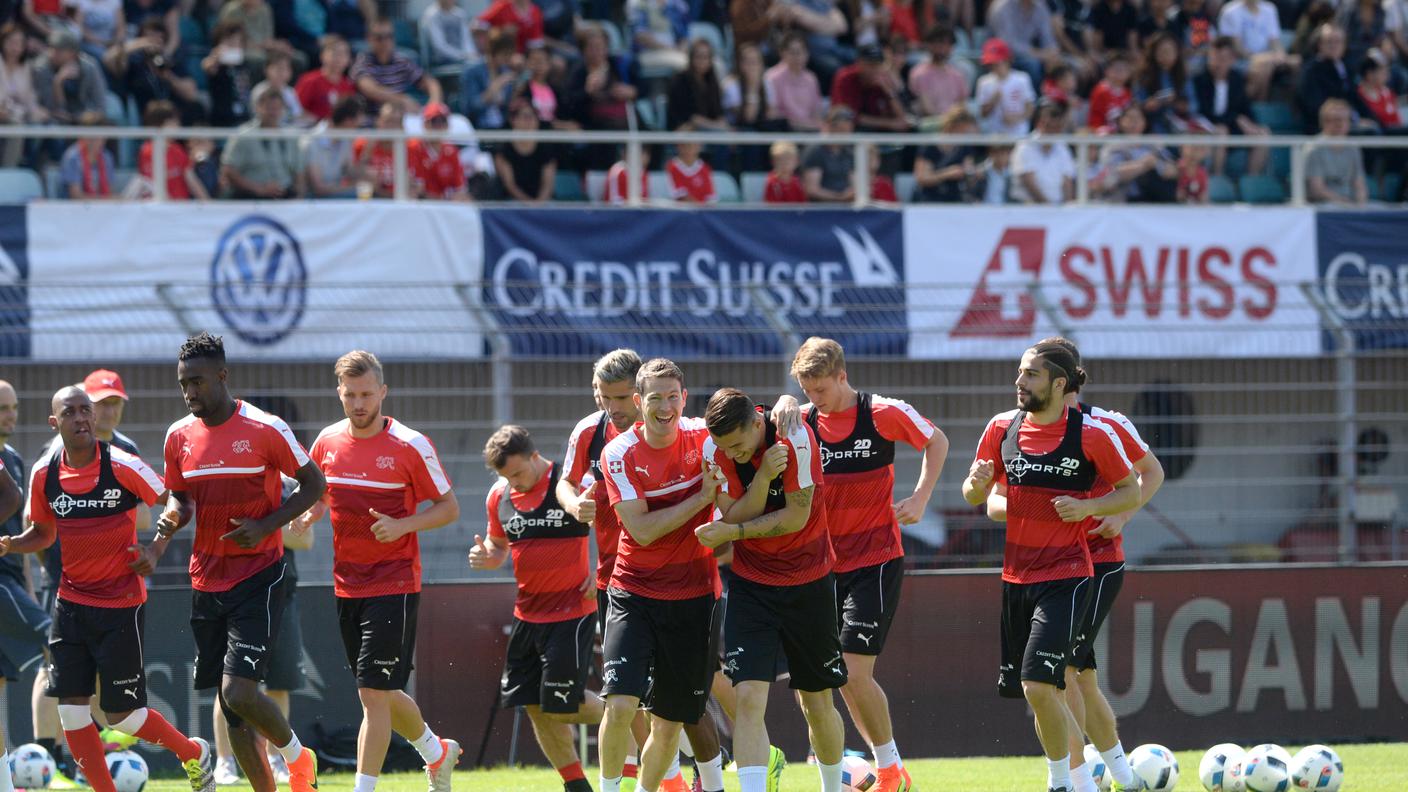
227	773
439	773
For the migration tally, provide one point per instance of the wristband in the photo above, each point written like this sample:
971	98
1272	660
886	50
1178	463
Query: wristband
740	532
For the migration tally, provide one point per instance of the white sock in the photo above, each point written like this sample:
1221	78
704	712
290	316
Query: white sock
830	776
1058	773
73	717
632	759
674	767
685	745
609	784
1118	765
293	750
1082	779
711	774
132	723
364	783
887	754
753	779
7	784
428	746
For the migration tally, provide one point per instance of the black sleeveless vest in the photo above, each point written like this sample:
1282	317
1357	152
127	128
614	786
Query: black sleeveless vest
107	498
747	471
594	448
863	451
548	521
1064	468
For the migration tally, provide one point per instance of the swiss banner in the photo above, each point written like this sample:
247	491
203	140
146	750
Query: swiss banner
1123	281
286	280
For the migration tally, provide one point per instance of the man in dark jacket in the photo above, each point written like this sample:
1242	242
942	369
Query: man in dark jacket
1221	92
1328	77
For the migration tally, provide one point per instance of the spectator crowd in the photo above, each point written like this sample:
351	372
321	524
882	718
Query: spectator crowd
446	69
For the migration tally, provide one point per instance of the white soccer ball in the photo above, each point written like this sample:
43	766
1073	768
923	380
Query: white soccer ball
129	771
1267	768
1220	770
856	775
31	766
1156	766
1317	767
1098	770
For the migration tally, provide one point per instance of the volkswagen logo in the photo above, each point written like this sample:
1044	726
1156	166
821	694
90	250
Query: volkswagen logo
258	281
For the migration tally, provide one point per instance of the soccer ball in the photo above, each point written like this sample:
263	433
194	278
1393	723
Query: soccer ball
856	775
1317	767
31	766
1098	770
129	771
1267	768
1220	770
1156	766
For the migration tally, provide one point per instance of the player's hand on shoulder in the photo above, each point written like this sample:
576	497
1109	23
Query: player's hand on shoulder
774	462
712	534
786	414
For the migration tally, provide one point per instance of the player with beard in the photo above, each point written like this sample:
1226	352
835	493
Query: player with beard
378	470
224	464
1052	459
582	493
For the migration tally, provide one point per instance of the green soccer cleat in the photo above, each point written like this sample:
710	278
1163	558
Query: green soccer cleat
201	770
776	761
114	740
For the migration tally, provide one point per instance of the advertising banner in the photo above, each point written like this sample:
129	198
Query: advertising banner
1364	275
14	294
1122	281
295	280
691	284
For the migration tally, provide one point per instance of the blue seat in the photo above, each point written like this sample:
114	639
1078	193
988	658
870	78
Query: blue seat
726	188
19	185
1222	190
1262	190
1276	115
568	187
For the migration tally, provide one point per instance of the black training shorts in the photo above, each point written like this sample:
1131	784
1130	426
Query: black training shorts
868	599
1039	623
1109	579
235	630
86	642
674	639
547	664
379	636
798	622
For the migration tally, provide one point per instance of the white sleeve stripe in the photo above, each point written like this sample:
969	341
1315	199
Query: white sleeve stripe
615	451
922	424
141	468
806	451
1114	438
578	432
1123	421
431	461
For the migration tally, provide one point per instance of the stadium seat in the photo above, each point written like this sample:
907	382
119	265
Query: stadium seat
1221	190
568	187
1262	190
1276	115
647	115
615	41
596	185
754	185
711	33
1280	162
1391	189
19	185
904	186
121	177
726	187
658	182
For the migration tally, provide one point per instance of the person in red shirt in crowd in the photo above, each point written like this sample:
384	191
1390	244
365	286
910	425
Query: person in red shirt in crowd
782	600
582	492
858	432
97	619
224	467
1111	94
691	178
378	470
181	181
783	184
882	187
1040	465
1193	175
378	160
550	648
320	89
436	162
522	16
1375	91
866	88
617	186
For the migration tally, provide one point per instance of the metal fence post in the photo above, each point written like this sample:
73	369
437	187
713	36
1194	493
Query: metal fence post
861	174
500	351
1346	384
1299	152
1082	173
633	171
401	189
159	166
777	322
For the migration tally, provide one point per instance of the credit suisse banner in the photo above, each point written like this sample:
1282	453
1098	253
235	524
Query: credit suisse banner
1364	274
1124	281
295	280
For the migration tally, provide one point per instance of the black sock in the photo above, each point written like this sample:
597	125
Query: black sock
578	785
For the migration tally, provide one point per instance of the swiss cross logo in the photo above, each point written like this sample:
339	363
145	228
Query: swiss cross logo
385	462
241	447
616	466
691	458
1002	305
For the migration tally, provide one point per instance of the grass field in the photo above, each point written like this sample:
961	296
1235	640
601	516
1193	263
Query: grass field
1368	768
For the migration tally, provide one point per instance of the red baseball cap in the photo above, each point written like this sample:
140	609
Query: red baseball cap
435	110
994	50
104	383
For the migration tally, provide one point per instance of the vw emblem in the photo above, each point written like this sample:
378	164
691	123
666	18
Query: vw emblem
258	281
1017	467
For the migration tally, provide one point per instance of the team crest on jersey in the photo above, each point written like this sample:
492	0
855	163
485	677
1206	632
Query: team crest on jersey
241	447
691	458
385	462
616	466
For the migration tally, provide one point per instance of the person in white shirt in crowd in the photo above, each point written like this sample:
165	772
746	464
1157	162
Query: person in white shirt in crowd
1045	172
448	27
1005	95
1256	27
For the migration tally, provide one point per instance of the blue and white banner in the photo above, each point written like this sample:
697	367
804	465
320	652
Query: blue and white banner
293	280
721	283
1364	275
1124	282
14	274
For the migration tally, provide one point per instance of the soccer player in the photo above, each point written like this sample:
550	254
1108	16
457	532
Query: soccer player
1052	458
223	465
783	595
91	491
378	470
23	622
858	432
550	649
582	493
663	597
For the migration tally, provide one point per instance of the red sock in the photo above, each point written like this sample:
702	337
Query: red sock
87	749
630	770
159	731
572	772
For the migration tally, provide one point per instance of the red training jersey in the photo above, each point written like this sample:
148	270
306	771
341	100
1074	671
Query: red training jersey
675	566
795	558
784	189
692	183
548	564
582	471
232	470
437	168
859	506
617	185
95	553
1111	551
882	189
318	94
1040	546
391	472
176	164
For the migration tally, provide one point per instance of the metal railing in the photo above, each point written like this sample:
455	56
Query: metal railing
1299	146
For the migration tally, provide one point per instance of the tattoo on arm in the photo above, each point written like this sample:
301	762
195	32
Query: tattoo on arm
801	499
